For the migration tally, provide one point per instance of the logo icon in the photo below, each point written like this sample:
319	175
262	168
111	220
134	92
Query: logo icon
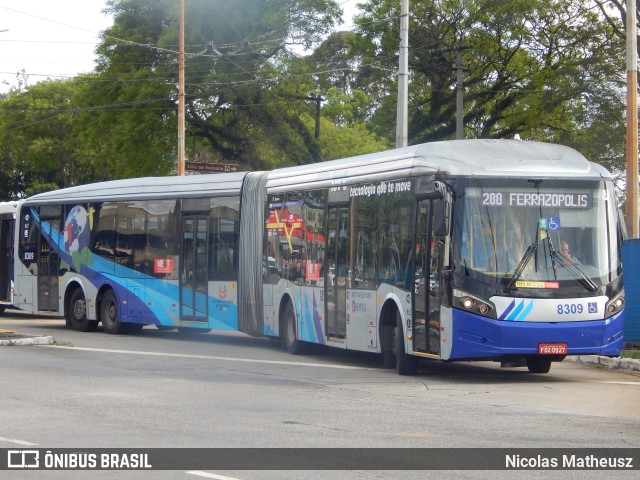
553	224
593	307
23	459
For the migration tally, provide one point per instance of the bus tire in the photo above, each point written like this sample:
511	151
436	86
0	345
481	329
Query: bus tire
388	345
538	365
289	334
405	364
110	314
77	313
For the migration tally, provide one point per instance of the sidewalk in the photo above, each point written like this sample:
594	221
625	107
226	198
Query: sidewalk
622	363
12	338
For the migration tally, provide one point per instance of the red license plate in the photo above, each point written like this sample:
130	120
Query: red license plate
552	348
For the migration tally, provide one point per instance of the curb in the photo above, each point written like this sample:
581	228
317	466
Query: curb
617	362
22	340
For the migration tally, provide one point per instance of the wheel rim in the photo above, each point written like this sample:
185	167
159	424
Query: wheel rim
79	309
110	312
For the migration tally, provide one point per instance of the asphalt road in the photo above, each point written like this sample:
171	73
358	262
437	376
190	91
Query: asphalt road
168	390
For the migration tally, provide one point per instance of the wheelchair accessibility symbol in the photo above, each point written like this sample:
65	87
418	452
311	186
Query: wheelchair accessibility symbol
553	224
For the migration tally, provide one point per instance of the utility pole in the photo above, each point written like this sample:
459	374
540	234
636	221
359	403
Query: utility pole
403	78
632	122
318	100
459	97
181	99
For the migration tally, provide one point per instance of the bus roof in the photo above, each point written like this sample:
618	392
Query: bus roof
496	158
148	187
8	207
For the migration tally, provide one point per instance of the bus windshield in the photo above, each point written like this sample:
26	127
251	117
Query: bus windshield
536	233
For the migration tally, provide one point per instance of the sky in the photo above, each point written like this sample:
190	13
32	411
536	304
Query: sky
57	38
48	38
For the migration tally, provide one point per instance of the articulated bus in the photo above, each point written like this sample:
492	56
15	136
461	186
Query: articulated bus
7	234
447	251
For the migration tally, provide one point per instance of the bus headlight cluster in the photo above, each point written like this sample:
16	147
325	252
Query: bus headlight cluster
473	304
614	305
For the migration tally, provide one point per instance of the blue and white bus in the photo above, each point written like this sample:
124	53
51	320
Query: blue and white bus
7	235
448	251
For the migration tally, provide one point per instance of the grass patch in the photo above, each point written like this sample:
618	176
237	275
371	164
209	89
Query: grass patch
635	354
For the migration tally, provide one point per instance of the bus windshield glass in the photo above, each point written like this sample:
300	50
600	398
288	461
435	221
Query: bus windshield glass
536	233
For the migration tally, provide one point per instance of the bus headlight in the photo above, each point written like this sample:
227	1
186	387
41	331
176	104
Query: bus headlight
473	304
614	305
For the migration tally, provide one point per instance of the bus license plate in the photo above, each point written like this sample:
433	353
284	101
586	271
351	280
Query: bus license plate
552	348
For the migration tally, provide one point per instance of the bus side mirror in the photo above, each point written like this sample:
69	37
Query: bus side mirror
622	226
440	218
437	193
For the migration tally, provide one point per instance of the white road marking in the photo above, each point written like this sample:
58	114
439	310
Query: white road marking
210	475
18	442
210	357
615	382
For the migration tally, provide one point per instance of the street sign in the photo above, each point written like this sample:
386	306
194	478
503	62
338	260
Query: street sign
211	167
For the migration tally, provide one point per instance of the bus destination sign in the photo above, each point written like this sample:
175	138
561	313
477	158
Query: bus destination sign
535	199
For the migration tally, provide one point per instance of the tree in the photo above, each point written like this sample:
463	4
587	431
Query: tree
547	70
237	100
347	141
530	67
40	149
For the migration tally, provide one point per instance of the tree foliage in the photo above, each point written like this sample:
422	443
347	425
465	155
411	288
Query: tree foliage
528	66
39	138
235	58
546	70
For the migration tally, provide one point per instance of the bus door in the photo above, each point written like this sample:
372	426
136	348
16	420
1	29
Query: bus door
6	259
427	296
194	275
48	260
336	275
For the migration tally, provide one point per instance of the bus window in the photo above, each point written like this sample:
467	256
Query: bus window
286	245
131	236
103	241
396	242
272	267
292	243
363	244
162	245
224	227
312	232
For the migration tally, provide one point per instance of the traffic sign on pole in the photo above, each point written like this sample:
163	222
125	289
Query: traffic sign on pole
201	167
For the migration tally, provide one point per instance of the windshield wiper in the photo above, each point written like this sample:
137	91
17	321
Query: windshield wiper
531	250
577	271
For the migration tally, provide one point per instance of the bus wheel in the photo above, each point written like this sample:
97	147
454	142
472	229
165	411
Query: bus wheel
109	314
291	343
77	313
538	365
405	364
